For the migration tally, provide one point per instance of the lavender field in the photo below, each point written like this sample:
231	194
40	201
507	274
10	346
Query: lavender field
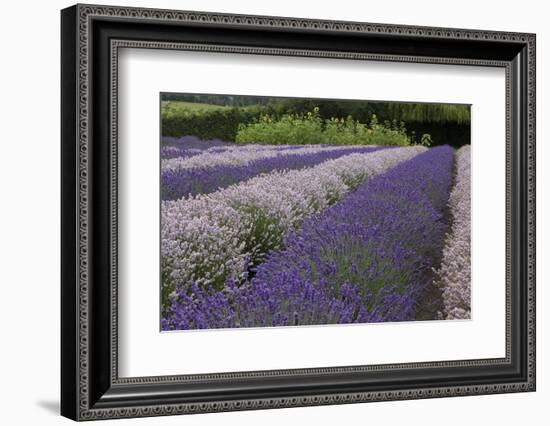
262	235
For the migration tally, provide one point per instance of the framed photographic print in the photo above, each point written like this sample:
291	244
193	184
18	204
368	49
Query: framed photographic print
263	212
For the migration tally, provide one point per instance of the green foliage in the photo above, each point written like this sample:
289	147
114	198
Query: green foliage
430	113
222	100
170	108
426	140
214	122
313	121
310	128
389	133
360	110
265	233
289	129
340	131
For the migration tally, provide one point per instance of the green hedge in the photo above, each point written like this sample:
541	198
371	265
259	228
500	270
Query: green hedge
221	124
266	124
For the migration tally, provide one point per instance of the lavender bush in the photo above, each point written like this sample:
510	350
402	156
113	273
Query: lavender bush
454	275
187	146
284	303
200	180
193	142
209	238
241	156
364	259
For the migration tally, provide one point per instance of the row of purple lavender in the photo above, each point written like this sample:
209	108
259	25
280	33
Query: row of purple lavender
184	182
366	258
208	238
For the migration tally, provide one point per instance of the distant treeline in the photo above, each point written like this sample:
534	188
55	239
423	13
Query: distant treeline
222	100
446	123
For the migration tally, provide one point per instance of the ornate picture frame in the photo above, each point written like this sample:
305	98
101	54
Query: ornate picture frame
91	37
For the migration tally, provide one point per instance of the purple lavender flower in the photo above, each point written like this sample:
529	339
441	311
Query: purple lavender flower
193	142
209	237
178	183
382	238
188	146
364	259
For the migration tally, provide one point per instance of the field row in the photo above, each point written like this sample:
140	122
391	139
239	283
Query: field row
188	146
209	239
455	273
300	247
237	155
185	182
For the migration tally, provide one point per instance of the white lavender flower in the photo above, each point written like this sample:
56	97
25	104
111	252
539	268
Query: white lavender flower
209	238
454	275
242	155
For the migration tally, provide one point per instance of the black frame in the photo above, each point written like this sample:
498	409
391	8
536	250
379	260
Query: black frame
91	37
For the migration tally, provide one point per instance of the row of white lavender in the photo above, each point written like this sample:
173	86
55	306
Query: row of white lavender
454	274
209	238
242	155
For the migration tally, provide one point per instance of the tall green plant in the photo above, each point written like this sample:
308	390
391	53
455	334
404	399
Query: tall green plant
289	129
310	128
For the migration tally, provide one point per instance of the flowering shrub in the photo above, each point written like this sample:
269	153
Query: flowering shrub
209	238
364	259
310	128
182	182
381	238
239	155
288	129
187	146
454	275
258	305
